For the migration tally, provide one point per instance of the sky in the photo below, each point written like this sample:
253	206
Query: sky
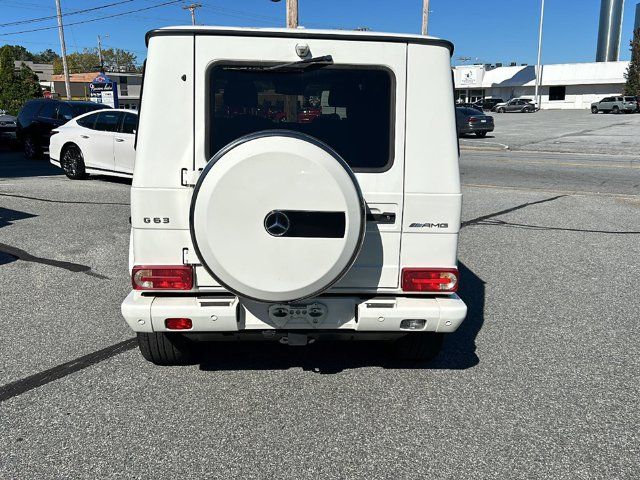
488	31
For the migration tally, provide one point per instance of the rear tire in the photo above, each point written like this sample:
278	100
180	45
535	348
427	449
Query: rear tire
166	349
594	109
481	134
418	346
615	110
31	149
72	162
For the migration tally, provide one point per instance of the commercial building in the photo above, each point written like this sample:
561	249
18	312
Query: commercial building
563	86
129	85
44	71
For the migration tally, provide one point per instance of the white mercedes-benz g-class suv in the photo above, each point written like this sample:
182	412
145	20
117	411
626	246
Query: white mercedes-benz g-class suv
291	185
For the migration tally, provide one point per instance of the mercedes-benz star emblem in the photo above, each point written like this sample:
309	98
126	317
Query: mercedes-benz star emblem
276	223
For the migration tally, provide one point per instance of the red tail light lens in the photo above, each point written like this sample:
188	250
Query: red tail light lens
429	279
178	323
473	120
154	277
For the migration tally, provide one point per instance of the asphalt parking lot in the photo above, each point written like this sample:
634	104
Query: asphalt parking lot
562	131
541	381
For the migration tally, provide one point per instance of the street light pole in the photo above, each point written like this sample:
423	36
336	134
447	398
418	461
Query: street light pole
538	67
425	17
63	48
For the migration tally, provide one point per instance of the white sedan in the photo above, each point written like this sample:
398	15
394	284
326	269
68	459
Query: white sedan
100	142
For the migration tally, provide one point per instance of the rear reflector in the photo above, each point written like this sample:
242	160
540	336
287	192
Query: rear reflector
178	323
429	279
155	277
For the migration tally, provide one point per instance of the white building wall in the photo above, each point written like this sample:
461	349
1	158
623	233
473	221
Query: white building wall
584	82
576	96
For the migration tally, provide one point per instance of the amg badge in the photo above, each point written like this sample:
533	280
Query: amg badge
429	225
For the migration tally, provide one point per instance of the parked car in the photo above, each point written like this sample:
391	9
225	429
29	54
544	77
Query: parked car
247	228
470	120
615	105
521	105
38	117
7	128
468	105
100	142
487	103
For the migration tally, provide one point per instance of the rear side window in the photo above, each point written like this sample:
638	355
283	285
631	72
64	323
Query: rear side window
28	111
107	121
348	108
80	108
88	122
48	110
64	112
129	123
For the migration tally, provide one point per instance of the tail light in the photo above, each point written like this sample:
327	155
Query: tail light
473	120
178	323
430	279
155	277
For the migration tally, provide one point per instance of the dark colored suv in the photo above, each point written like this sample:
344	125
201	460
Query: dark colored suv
38	117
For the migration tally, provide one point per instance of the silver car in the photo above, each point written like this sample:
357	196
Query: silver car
521	105
615	105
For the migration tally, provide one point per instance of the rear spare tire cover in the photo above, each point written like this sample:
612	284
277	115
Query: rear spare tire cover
277	216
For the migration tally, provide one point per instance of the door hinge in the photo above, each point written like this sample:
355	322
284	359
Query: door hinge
188	178
189	258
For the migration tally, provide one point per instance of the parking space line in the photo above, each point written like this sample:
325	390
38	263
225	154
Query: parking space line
544	190
48	200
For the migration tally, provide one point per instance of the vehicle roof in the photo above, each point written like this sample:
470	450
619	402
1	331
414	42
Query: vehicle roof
93	112
72	102
352	35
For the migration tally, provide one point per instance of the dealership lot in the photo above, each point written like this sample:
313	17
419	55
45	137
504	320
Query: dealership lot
564	131
541	381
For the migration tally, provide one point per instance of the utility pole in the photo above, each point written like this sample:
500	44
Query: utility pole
425	17
538	68
192	8
100	52
63	48
292	13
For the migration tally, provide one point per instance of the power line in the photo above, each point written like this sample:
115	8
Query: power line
66	14
94	19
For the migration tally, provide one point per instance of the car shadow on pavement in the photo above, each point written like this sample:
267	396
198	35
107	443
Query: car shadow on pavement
14	165
106	179
459	351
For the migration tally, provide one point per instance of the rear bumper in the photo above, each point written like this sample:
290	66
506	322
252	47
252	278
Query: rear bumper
479	128
147	313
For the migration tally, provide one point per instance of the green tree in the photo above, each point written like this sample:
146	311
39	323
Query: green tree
16	86
20	53
115	60
46	56
632	87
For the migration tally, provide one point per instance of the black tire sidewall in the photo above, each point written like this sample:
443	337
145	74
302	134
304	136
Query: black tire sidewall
81	172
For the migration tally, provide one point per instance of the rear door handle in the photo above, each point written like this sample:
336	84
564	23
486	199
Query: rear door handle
119	139
385	218
84	136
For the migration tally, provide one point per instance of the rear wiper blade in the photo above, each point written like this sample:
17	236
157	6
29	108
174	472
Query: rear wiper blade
303	64
307	63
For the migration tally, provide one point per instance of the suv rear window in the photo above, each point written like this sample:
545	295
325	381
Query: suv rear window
348	108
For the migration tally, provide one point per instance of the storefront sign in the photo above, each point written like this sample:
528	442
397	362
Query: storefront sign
104	90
